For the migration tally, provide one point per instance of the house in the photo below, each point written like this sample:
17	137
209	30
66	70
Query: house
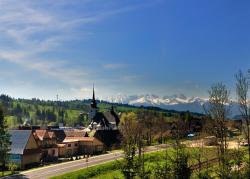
47	141
24	149
89	145
69	147
80	146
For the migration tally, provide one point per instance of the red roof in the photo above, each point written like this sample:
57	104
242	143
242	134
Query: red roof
41	134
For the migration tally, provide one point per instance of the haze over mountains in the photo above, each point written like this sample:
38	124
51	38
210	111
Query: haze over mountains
178	102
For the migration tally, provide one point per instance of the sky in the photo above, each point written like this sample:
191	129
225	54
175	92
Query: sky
124	47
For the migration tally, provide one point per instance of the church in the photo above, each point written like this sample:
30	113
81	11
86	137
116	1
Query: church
102	120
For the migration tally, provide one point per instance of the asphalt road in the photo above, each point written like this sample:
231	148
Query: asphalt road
59	169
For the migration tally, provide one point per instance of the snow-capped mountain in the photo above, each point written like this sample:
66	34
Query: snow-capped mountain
175	102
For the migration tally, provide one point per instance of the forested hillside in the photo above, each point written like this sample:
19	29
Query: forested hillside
71	113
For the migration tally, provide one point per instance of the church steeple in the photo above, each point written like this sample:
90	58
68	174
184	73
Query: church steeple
93	102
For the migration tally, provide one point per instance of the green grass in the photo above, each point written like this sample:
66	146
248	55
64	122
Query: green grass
91	172
11	121
5	173
111	169
72	112
111	174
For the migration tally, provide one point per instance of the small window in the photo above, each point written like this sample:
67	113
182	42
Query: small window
69	145
75	145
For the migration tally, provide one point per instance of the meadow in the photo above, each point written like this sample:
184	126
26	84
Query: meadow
152	161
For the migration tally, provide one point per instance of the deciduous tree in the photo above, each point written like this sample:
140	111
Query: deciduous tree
218	110
128	128
242	89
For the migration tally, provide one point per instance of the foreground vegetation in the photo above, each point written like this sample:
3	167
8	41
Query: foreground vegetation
153	161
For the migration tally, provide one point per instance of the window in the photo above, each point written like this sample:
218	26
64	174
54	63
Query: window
69	145
75	145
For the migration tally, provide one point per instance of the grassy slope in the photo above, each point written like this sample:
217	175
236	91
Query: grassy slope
72	112
111	169
5	173
72	108
12	120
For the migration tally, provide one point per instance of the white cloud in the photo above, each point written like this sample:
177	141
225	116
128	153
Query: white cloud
56	68
30	31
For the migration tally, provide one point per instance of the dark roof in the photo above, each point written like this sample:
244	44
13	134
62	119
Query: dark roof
101	119
108	137
19	140
109	117
106	118
60	134
112	117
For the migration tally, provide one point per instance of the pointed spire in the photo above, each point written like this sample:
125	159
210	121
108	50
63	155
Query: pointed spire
93	102
93	98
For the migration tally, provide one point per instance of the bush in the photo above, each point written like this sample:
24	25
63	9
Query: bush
181	170
12	167
205	175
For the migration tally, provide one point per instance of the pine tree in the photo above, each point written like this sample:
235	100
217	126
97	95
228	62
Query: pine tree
4	141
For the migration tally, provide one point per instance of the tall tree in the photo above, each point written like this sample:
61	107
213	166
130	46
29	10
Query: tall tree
4	141
242	89
128	128
218	111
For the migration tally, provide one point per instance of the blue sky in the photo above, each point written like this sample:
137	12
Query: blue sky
160	47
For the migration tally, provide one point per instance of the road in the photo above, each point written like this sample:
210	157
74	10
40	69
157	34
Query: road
62	168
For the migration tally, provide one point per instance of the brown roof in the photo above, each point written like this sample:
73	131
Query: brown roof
80	139
66	140
51	134
75	133
40	134
87	139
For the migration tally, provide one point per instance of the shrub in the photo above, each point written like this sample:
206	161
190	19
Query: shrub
12	167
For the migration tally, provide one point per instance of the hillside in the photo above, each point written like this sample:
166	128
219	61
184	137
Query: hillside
71	113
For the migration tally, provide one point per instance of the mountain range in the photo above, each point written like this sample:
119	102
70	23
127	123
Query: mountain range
177	102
